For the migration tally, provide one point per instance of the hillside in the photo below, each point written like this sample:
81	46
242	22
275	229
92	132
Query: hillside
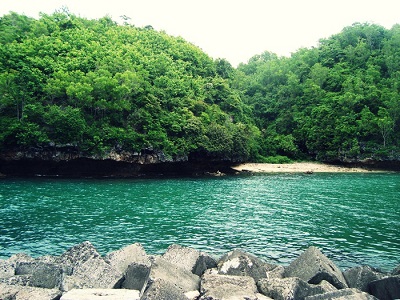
100	87
102	90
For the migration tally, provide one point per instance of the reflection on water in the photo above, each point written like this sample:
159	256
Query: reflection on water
352	218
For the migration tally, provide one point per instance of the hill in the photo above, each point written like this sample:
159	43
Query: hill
77	88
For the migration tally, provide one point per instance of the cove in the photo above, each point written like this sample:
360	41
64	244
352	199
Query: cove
353	218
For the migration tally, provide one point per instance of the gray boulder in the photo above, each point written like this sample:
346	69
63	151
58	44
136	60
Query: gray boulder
7	266
160	289
216	286
344	294
183	279
85	268
189	259
136	276
133	262
312	266
240	263
386	289
122	258
101	294
41	274
359	277
16	292
291	288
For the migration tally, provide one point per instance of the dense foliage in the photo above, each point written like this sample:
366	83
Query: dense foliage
338	101
100	87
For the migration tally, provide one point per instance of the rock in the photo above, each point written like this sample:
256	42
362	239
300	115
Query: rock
359	277
217	286
87	269
101	294
189	259
240	263
193	295
277	272
7	269
43	275
161	269
133	262
136	276
312	266
262	297
15	292
396	271
20	257
7	266
23	280
160	289
122	258
344	294
291	288
386	289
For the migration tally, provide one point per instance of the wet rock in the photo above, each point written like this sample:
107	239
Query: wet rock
189	259
386	289
87	269
101	294
291	288
344	294
312	266
161	269
133	262
216	286
240	263
15	292
160	289
359	277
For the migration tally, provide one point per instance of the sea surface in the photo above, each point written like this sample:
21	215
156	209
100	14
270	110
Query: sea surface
354	219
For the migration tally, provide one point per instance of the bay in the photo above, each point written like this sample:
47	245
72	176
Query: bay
354	219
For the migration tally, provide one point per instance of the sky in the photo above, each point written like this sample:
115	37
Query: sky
235	30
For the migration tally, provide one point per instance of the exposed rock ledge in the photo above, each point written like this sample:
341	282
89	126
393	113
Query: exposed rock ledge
185	273
68	162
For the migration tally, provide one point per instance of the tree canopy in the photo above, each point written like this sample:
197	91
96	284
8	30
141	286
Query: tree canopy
100	87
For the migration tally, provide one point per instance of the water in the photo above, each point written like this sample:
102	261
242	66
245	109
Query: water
352	218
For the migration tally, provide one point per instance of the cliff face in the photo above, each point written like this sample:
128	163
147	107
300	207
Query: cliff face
69	162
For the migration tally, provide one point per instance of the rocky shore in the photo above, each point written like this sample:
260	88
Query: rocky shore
183	273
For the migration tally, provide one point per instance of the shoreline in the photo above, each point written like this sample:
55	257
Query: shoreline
300	167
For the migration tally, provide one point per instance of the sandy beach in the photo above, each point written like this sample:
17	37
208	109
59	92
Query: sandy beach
299	167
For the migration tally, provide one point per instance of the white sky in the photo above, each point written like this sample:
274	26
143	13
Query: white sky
231	29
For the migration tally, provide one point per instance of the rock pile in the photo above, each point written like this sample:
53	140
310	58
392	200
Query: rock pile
185	273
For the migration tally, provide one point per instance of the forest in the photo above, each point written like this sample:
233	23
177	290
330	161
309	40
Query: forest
99	86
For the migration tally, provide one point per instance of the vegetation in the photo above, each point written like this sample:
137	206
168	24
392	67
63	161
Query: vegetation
98	87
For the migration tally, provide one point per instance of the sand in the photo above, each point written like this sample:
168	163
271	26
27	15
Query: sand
300	167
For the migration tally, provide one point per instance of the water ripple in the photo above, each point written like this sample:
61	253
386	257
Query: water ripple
353	218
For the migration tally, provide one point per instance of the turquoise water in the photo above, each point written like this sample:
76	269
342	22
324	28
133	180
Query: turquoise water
353	218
